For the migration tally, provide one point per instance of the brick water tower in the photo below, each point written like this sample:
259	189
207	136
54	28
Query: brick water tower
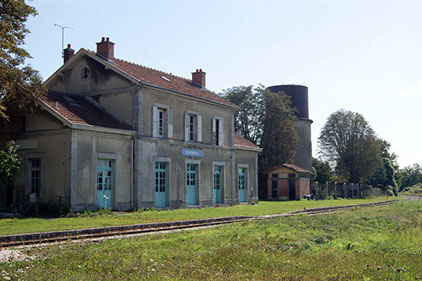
299	96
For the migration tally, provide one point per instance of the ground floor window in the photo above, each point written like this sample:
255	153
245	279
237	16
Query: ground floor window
35	166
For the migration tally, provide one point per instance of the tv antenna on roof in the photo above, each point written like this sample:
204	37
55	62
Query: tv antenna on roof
63	28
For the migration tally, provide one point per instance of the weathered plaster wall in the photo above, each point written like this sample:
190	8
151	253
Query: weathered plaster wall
71	82
180	105
41	121
119	105
153	150
51	148
249	158
90	147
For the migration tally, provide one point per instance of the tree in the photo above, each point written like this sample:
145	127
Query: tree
410	175
279	138
249	119
9	168
387	170
349	142
323	172
19	83
268	120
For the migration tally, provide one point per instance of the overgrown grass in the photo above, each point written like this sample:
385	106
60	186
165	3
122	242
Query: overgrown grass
377	243
28	225
413	190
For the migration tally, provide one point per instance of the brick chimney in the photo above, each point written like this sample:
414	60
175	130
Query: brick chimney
198	78
68	53
105	48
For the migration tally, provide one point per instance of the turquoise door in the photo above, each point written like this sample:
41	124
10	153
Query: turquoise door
242	185
105	183
160	197
218	184
191	184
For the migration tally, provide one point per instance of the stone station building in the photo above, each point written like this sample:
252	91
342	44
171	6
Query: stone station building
119	135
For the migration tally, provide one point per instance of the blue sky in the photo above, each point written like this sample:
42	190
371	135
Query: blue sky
360	55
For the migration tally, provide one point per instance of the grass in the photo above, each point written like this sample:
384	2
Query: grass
377	243
413	190
29	225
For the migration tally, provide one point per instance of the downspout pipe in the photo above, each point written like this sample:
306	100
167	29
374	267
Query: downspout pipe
132	156
132	145
132	140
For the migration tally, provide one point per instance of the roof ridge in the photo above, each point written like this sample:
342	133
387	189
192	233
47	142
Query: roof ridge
154	69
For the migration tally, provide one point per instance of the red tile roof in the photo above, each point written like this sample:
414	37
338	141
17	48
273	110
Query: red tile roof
241	141
289	166
169	81
79	110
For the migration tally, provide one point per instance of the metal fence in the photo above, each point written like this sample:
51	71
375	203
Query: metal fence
342	190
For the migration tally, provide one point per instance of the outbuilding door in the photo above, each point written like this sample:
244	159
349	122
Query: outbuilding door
217	184
274	186
191	170
292	186
160	196
242	185
105	183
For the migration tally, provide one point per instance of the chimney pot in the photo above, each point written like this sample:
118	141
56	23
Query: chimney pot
105	49
68	53
198	78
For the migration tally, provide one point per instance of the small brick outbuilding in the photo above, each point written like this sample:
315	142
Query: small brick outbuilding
288	182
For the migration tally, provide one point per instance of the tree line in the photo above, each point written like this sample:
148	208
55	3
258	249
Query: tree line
349	149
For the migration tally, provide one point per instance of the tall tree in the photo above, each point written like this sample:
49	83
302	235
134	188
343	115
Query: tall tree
350	143
19	83
268	120
386	174
249	119
279	138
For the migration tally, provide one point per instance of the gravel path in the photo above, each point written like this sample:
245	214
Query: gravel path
7	255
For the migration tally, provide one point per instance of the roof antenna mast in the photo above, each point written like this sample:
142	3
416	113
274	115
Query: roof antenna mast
63	28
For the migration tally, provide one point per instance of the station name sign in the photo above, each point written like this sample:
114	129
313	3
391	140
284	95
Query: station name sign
192	152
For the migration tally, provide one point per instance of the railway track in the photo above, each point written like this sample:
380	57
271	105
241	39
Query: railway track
32	239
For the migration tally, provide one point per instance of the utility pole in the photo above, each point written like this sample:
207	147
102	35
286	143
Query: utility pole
63	28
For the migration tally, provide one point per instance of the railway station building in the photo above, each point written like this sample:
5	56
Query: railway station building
115	134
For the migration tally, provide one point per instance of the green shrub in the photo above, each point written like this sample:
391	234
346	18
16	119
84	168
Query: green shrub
412	190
